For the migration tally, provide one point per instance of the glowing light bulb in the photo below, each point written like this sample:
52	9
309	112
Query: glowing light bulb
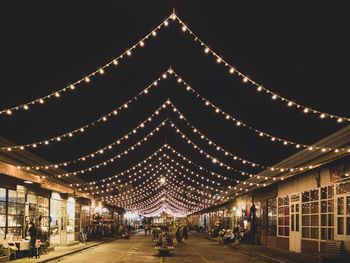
154	33
306	110
339	120
322	116
184	28
26	107
128	53
87	79
218	60
290	104
259	88
101	71
274	96
166	23
57	95
8	112
142	43
232	70
72	87
115	62
245	79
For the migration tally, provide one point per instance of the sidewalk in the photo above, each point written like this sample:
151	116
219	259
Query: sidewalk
268	253
62	251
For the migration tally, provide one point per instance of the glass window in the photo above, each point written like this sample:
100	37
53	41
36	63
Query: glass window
271	217
283	216
340	225
2	208
340	207
310	210
2	194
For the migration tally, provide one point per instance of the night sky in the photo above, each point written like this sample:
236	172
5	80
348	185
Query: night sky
299	50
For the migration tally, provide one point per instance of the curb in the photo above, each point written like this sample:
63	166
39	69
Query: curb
72	252
247	252
257	255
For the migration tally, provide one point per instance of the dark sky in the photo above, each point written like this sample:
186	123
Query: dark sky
300	50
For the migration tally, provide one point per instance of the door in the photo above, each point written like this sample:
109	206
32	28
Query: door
63	225
295	233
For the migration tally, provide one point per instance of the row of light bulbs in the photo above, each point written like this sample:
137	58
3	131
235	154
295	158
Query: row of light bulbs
113	158
260	88
207	50
125	137
144	197
146	186
169	185
102	119
100	151
186	174
240	123
88	77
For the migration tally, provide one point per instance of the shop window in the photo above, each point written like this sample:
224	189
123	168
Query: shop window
43	216
271	217
310	214
2	212
343	209
283	216
327	213
15	214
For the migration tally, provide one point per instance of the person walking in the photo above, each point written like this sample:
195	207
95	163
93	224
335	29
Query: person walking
185	233
146	230
32	232
149	228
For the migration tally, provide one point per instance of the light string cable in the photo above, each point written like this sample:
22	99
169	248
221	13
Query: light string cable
114	157
217	147
138	197
175	185
239	123
145	171
103	150
87	78
143	165
101	119
246	79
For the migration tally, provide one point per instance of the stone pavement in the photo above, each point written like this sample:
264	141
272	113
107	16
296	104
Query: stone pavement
140	248
276	254
62	251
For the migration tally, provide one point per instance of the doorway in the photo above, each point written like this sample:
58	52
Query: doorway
295	233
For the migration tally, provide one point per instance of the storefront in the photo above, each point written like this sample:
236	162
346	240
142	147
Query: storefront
65	213
20	206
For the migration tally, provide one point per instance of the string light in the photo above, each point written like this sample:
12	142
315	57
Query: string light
82	129
227	116
246	79
87	78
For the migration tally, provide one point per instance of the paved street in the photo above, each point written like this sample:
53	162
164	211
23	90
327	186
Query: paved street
140	249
